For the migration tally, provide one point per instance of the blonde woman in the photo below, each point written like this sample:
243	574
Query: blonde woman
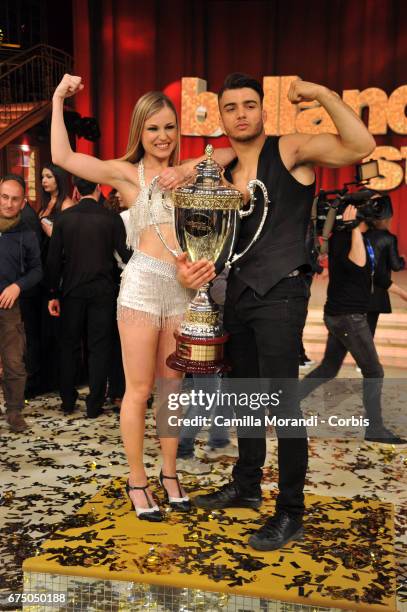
151	301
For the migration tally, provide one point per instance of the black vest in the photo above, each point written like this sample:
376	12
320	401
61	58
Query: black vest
280	248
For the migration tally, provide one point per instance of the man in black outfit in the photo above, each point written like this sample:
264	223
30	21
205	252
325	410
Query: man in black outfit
81	250
387	259
267	294
352	272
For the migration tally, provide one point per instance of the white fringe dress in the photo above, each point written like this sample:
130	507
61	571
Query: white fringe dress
149	290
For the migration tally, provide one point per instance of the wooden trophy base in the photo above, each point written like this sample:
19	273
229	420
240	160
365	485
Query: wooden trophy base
199	355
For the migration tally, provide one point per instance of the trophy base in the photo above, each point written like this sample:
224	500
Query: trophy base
199	355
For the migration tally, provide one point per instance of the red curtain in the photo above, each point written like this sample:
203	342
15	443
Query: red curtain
124	48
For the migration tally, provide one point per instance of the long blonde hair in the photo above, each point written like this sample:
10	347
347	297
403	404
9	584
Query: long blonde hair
148	105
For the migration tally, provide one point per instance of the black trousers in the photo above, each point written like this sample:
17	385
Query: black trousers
95	314
350	332
372	319
116	380
308	278
265	339
50	348
31	315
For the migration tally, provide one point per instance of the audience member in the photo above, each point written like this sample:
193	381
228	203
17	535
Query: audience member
20	270
80	255
387	259
55	199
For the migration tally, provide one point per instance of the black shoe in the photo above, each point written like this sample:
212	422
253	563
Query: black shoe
227	496
152	513
181	503
67	410
277	532
383	436
94	413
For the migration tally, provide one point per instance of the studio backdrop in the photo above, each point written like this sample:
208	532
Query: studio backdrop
123	48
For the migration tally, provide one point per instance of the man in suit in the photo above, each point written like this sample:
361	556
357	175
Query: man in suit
80	277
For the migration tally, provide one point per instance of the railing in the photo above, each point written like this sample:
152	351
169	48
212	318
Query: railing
29	79
44	50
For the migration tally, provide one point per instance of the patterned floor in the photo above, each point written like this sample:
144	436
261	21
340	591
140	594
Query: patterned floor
49	472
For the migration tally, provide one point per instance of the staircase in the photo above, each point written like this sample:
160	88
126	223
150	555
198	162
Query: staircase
390	337
27	82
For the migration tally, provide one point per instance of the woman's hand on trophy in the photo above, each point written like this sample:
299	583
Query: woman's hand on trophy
172	177
194	275
68	86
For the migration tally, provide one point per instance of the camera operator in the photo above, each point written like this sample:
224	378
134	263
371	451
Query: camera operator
351	273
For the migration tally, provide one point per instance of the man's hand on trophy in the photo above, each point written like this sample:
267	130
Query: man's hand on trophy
172	177
194	275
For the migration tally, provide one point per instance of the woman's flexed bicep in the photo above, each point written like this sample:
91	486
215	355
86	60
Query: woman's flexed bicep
108	172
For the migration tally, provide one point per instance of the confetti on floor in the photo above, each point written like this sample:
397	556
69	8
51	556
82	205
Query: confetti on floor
346	555
50	472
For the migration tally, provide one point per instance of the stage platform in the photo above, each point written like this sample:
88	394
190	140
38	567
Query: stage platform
104	558
391	333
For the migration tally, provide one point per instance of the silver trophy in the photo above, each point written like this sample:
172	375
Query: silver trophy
207	215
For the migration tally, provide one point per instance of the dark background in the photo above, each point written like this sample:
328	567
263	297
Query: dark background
123	48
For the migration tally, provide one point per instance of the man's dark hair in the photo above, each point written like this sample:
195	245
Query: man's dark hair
15	177
238	80
83	186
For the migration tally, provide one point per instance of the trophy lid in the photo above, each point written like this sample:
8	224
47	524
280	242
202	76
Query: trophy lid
208	171
209	186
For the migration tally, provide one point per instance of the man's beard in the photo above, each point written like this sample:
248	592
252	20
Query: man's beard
249	137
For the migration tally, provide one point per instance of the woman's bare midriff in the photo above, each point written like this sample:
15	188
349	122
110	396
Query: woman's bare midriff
150	243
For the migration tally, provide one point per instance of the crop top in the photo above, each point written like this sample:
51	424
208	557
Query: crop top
141	216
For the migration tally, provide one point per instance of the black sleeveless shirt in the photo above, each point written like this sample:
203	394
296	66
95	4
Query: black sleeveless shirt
280	248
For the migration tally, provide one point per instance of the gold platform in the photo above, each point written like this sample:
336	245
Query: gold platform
104	558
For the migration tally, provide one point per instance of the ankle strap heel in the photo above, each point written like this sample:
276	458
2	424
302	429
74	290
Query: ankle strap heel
152	513
181	503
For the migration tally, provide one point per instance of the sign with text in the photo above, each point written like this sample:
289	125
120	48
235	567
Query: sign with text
200	117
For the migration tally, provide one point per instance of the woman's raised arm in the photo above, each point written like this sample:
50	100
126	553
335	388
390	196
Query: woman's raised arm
110	172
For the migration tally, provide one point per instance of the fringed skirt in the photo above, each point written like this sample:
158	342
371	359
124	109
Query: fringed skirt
150	293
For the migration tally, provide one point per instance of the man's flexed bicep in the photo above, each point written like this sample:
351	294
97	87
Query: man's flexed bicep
352	143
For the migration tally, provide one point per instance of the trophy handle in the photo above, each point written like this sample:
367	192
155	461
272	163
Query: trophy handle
245	213
153	185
